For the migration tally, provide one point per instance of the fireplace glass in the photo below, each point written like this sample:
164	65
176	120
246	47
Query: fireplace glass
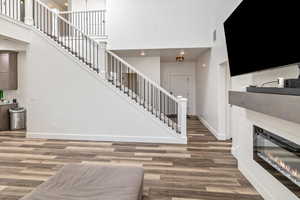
279	156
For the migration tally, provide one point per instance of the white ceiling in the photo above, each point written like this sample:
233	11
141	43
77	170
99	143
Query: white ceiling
60	2
52	3
166	55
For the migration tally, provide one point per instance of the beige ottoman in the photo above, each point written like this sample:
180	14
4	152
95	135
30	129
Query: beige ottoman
91	182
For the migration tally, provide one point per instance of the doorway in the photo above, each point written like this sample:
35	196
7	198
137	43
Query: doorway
180	85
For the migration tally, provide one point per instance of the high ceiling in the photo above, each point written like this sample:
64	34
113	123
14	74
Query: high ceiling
55	3
60	2
166	55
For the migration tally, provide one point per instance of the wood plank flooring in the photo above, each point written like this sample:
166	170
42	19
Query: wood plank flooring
202	170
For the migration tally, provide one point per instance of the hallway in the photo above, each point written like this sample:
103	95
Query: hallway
202	170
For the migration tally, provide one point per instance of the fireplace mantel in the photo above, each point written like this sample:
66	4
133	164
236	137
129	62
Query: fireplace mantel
277	114
286	107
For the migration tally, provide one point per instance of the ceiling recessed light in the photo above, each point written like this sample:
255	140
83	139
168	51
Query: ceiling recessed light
203	65
66	4
142	53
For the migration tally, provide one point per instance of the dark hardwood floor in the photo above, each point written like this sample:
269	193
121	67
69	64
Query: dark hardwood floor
202	170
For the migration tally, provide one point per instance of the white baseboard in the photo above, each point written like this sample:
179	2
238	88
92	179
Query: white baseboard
234	152
107	138
212	129
255	181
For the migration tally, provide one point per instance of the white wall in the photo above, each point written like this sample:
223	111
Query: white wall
82	5
206	90
65	100
185	68
12	45
17	32
148	65
155	24
209	85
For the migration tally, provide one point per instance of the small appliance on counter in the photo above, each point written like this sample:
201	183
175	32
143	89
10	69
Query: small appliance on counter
274	90
17	116
12	117
285	87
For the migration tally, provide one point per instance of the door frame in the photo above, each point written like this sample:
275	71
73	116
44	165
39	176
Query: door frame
224	86
192	88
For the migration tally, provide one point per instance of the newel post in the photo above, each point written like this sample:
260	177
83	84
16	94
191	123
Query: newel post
29	12
102	56
182	112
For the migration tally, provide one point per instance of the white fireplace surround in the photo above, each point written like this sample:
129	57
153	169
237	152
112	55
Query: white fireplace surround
242	121
265	183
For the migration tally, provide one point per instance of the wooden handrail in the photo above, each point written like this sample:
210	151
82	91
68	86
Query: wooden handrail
67	12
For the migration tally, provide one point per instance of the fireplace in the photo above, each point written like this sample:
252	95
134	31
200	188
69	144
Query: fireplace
279	156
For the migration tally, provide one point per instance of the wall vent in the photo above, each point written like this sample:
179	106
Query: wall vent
215	35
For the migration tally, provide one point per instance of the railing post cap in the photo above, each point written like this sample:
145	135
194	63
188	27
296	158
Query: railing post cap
55	10
182	99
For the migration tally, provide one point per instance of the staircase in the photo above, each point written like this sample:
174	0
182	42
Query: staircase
169	110
92	22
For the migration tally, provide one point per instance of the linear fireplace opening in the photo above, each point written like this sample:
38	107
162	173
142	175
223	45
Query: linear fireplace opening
279	156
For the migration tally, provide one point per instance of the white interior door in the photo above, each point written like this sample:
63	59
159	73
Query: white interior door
180	85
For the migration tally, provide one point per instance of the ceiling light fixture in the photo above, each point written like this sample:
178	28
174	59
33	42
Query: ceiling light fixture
142	53
180	58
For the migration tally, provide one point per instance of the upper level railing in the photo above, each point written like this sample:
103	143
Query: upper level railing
13	8
67	35
92	23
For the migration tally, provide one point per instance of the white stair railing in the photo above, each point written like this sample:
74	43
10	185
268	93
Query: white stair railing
13	8
169	109
139	88
92	22
67	35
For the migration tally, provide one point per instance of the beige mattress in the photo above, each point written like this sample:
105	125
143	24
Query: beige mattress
91	182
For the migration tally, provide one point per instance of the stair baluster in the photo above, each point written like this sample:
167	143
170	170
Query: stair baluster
140	89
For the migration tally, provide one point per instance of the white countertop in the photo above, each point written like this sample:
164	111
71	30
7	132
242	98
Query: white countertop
6	102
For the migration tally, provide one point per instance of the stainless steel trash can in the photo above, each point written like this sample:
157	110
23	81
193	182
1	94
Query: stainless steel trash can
17	118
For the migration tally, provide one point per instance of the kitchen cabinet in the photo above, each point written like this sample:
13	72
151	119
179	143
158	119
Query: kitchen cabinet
8	70
4	116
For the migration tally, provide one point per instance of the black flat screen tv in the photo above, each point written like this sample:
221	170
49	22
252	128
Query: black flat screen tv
263	34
